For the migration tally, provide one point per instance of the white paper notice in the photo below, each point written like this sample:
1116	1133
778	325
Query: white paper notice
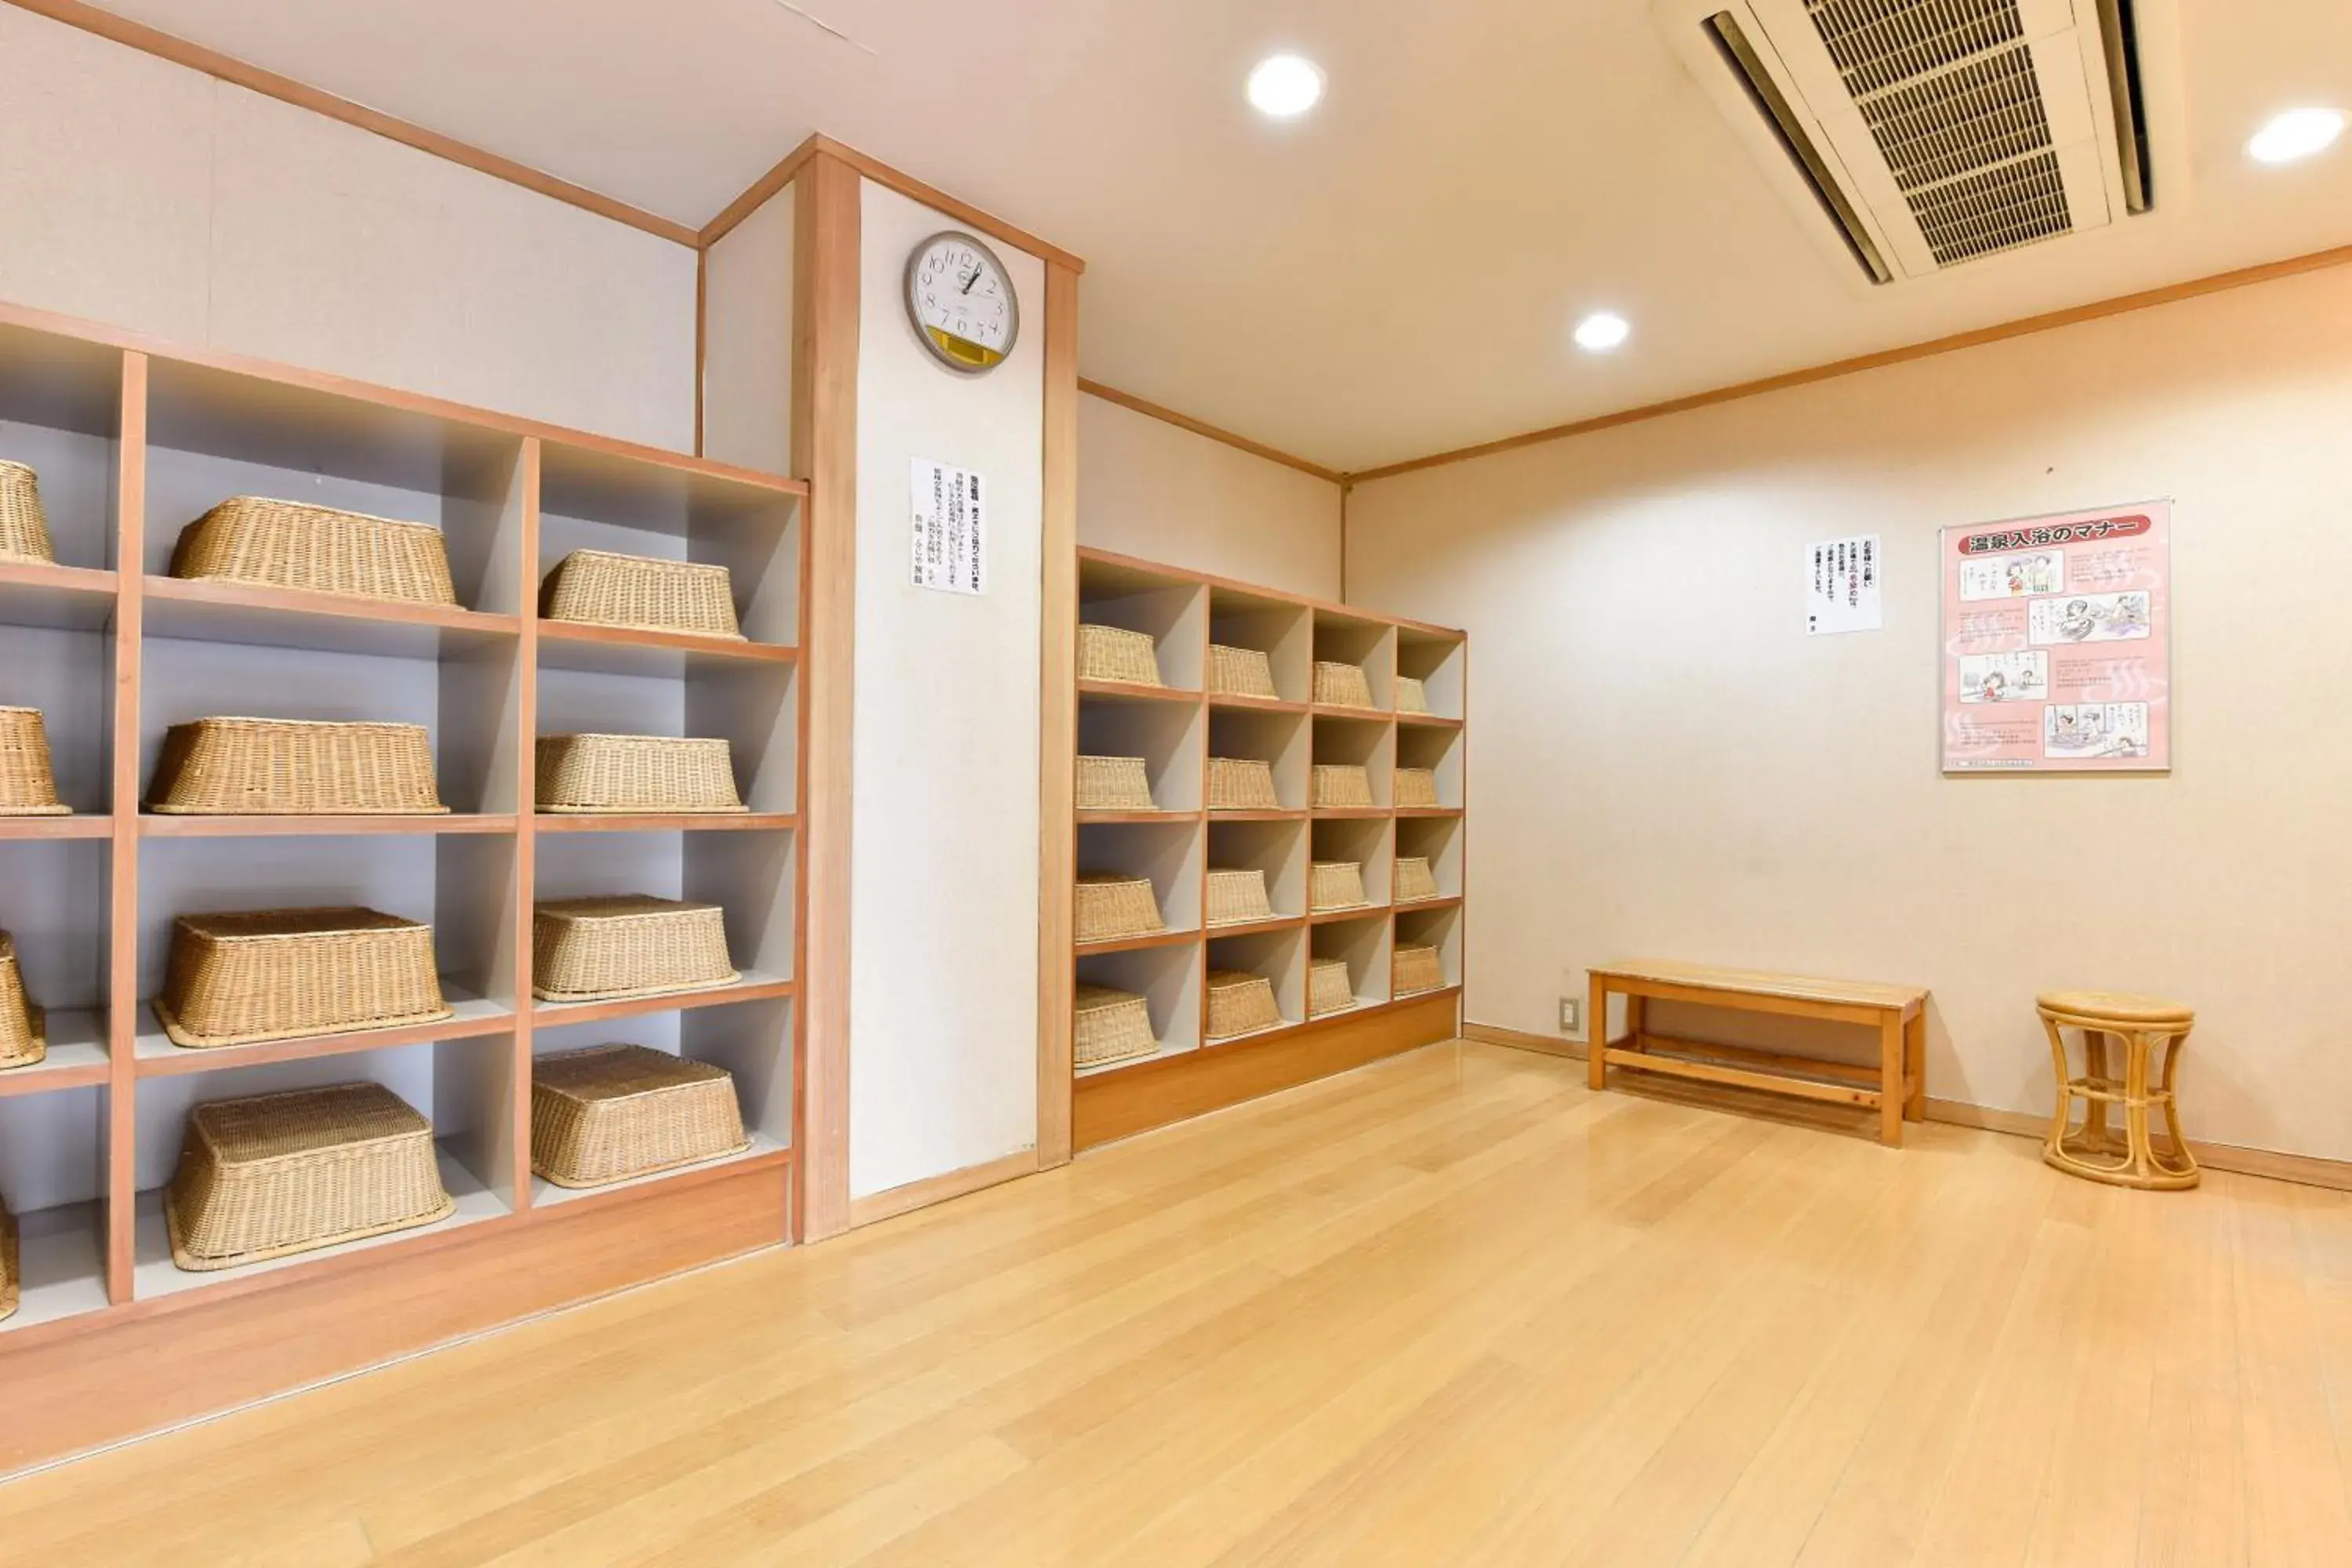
950	553
1841	581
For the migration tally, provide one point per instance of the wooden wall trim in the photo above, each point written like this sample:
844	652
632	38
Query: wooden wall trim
756	195
2047	322
286	89
1058	721
825	270
876	1207
1200	427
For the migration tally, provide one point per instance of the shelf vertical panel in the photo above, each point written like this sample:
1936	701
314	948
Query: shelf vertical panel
123	881
523	733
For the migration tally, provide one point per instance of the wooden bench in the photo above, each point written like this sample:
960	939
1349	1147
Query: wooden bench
1896	1088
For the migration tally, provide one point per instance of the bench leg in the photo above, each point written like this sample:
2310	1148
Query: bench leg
1596	1036
1890	1080
1915	1051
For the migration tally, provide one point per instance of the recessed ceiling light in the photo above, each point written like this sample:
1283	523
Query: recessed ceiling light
1284	86
2297	133
1602	331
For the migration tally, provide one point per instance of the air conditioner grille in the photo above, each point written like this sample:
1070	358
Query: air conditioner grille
1879	44
2013	204
1986	112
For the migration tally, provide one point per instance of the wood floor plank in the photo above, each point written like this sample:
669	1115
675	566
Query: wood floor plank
1449	1309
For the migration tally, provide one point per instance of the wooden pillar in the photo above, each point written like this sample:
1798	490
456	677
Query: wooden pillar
1058	726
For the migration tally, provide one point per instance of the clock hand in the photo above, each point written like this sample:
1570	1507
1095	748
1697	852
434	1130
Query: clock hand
970	281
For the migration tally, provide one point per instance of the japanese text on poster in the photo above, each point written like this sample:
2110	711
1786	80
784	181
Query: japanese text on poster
1841	586
950	541
2057	643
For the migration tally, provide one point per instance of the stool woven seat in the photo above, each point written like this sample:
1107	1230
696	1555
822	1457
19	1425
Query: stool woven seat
282	1174
610	1113
2116	1007
318	549
641	592
24	1039
2143	1028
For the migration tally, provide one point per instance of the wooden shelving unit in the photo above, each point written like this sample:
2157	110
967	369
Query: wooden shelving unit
1176	727
131	446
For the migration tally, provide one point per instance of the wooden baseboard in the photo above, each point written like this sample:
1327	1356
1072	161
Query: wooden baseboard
69	1393
1521	1040
889	1204
1118	1105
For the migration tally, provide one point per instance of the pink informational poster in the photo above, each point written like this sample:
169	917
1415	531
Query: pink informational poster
2058	643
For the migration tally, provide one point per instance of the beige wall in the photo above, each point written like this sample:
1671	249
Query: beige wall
747	357
1150	488
147	195
1662	763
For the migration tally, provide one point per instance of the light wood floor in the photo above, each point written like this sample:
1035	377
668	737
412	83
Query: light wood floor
1450	1310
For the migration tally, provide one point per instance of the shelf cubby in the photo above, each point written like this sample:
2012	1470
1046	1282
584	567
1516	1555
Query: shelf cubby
53	1175
57	905
1367	743
1168	979
1438	750
1370	842
1281	740
1438	840
1172	613
1282	630
1440	661
1277	848
61	415
754	707
1371	644
1364	941
1171	738
1280	956
1440	928
1168	852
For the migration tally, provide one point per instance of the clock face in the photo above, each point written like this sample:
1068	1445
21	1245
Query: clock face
961	303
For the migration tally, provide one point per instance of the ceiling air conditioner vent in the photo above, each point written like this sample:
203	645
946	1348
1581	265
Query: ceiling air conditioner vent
1932	132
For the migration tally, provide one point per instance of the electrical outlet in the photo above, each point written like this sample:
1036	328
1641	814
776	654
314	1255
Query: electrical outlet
1572	1016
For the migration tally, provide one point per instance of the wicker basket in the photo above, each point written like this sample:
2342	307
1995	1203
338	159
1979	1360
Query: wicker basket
1414	880
283	767
1114	784
28	787
1238	897
1341	685
588	775
279	974
1240	1003
1242	784
292	545
1240	672
598	588
612	1112
24	1035
1114	653
12	1269
1415	969
594	949
1336	885
1411	696
1415	786
1343	786
24	526
1111	1026
289	1173
1111	905
1329	989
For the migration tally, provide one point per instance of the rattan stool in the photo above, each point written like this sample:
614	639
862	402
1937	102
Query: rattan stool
2142	1025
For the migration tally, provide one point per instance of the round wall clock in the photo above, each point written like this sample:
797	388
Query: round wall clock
960	300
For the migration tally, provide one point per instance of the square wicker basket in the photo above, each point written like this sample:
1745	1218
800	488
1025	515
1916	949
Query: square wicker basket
1114	784
1341	685
1237	897
1240	1003
642	593
1336	885
1341	786
279	974
24	1035
588	775
1329	989
281	1174
12	1268
284	767
1411	696
1414	969
1242	784
28	787
596	949
1240	672
1414	880
612	1112
293	544
1114	653
1415	788
1111	905
1111	1026
23	525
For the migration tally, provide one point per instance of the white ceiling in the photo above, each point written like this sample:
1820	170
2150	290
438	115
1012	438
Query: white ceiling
1394	276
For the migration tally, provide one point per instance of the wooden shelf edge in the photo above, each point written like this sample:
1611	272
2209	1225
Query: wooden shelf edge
156	824
217	594
55	829
1101	818
1124	692
740	651
1340	917
183	1061
1215	1047
1256	704
554	1014
1137	943
1255	928
667	822
87	582
667	1183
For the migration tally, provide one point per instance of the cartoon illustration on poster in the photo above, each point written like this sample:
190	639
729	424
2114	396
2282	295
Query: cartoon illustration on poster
2057	643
